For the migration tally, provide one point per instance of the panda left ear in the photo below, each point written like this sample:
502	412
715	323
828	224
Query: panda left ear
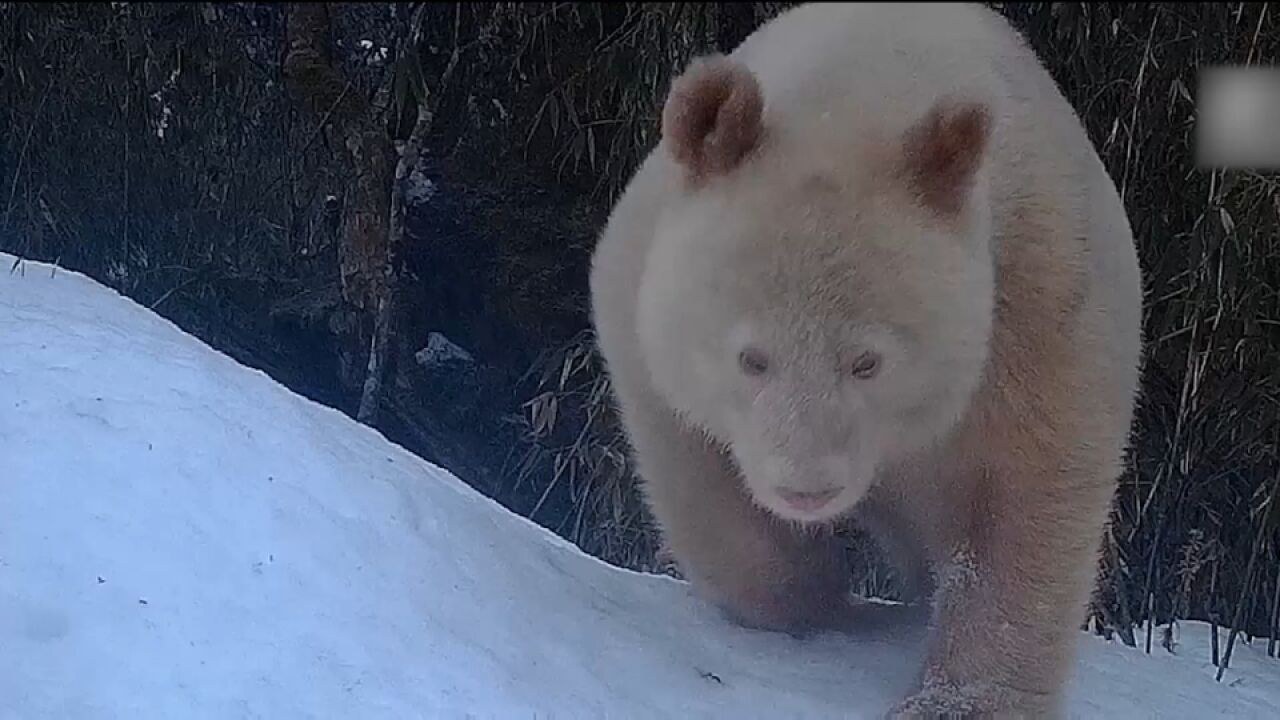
942	152
712	117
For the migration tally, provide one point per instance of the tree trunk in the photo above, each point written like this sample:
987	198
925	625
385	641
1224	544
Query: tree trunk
366	245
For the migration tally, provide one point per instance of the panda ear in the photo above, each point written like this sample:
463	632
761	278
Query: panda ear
942	152
712	117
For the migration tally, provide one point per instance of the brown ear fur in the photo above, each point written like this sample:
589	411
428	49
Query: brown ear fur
943	151
712	117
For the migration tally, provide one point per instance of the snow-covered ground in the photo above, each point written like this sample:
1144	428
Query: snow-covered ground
182	537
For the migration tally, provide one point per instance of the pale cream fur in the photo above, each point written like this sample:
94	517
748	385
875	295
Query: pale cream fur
988	443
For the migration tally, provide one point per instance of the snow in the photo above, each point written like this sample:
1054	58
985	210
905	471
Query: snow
180	536
440	350
418	188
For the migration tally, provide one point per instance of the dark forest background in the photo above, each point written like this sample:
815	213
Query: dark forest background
390	209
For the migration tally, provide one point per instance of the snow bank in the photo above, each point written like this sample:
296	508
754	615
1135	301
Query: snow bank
182	537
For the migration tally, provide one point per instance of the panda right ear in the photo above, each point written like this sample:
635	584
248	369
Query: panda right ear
943	151
712	117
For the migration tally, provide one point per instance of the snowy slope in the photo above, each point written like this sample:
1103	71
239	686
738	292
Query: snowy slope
182	537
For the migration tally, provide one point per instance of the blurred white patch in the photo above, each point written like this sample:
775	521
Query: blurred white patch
1239	118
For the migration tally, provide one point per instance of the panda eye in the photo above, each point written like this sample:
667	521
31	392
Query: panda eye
865	366
753	362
